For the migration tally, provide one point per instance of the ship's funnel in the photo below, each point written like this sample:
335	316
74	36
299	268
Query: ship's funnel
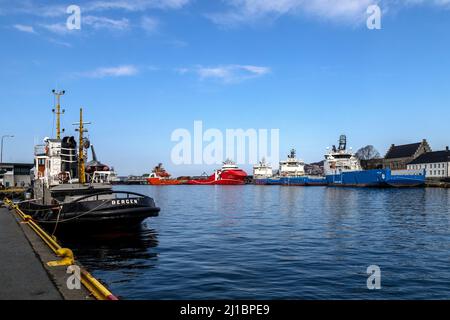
94	164
94	156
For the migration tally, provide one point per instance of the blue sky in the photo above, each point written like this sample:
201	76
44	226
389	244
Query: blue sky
142	69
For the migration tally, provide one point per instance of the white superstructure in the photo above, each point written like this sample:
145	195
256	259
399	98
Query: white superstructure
57	164
292	167
48	162
229	164
262	170
340	160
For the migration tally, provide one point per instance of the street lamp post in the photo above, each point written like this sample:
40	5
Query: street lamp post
1	151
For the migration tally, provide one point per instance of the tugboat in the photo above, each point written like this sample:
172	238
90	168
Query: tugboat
160	176
230	174
69	195
342	168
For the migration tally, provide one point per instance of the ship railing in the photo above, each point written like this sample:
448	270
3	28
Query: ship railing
39	150
118	195
62	177
101	177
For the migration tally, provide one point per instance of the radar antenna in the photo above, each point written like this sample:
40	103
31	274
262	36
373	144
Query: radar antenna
293	154
342	143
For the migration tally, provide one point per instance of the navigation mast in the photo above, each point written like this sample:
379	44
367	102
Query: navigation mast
58	112
81	146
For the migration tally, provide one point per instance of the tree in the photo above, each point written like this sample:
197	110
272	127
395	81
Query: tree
368	153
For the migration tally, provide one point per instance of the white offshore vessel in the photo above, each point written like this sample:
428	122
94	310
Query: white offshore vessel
262	170
339	160
292	167
342	168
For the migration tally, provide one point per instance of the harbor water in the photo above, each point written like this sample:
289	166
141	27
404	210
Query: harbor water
273	242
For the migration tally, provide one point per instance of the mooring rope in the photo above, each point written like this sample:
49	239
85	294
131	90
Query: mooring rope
76	217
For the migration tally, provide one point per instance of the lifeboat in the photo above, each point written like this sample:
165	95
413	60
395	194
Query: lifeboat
230	174
160	176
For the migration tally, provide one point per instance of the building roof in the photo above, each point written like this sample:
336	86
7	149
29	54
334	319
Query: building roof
403	151
433	157
23	165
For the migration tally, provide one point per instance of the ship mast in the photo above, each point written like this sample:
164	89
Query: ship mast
58	112
81	141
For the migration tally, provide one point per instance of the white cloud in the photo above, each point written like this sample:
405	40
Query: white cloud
57	10
88	16
58	28
182	70
94	22
24	28
60	43
149	24
228	73
119	71
136	5
105	23
434	2
248	11
349	11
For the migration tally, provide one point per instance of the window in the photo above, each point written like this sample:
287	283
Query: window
24	171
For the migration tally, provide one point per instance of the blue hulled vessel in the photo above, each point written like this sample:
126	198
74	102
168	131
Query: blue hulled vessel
291	173
342	168
268	181
303	181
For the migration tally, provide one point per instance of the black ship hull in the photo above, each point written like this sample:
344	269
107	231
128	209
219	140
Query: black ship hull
102	211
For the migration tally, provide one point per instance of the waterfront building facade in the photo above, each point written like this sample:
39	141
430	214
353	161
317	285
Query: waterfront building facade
436	164
398	157
15	175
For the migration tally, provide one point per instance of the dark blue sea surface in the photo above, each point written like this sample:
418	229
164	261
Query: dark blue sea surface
272	242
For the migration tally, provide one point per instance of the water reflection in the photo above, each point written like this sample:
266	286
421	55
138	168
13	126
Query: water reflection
257	242
129	249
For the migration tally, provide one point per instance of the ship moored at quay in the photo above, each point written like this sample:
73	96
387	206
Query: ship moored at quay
291	173
69	194
229	174
341	168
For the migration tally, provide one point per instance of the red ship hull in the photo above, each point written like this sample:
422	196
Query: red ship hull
163	182
226	177
215	182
